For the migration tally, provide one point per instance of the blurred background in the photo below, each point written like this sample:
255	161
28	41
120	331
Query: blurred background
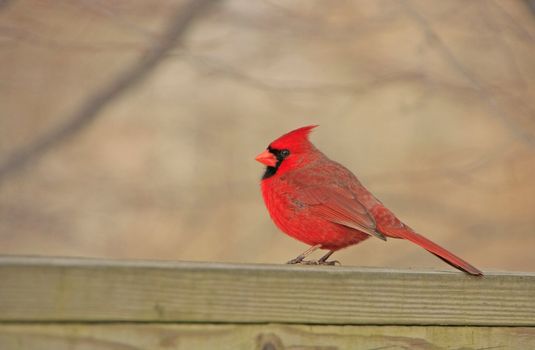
129	130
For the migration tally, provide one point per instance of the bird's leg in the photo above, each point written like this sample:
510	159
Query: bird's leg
323	259
300	259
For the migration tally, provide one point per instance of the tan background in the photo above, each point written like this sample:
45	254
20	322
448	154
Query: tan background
431	103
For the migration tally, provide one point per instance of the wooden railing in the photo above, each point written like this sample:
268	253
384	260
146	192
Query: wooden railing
61	303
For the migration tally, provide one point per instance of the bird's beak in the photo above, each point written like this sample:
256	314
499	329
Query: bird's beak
267	158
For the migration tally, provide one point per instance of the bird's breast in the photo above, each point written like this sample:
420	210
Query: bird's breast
277	194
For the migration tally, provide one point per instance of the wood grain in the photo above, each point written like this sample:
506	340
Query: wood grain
260	337
81	290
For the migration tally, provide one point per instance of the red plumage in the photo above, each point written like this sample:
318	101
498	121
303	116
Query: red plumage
319	202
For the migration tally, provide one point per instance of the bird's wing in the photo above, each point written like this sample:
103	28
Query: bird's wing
339	205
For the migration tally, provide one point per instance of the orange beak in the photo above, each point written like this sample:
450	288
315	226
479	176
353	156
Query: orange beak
267	158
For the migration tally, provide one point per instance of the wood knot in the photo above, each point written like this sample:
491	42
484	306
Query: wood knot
268	342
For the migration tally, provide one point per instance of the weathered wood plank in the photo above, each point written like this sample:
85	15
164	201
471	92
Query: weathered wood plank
45	289
260	337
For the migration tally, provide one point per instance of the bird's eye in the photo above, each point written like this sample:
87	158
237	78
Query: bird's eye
285	153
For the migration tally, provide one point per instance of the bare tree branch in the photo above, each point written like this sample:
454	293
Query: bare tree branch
90	108
516	130
516	22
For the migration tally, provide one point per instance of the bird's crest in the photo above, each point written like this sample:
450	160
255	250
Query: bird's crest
297	137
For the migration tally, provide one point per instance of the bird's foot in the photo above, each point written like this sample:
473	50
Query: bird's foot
313	262
329	263
298	260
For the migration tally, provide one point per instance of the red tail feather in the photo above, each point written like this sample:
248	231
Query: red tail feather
437	250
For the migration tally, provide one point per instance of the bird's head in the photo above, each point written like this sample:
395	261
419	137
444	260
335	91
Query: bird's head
288	152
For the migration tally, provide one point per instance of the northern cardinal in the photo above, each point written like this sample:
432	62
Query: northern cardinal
321	203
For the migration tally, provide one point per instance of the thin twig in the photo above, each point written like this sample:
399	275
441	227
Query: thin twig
90	108
215	66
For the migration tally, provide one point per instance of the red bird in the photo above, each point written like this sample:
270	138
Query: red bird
319	202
